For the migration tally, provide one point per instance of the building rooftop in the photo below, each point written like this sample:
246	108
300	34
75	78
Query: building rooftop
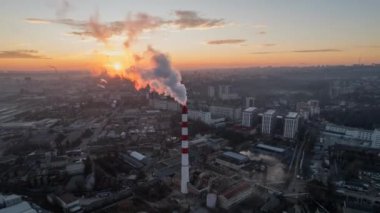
235	155
250	109
270	148
67	198
23	207
270	112
236	189
292	115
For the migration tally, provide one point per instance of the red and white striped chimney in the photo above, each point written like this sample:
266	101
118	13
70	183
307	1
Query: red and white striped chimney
184	151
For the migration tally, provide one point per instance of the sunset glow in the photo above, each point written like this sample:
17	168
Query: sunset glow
254	33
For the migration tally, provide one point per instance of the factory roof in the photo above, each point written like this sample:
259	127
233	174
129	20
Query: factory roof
292	115
23	207
236	189
235	155
137	155
270	148
67	198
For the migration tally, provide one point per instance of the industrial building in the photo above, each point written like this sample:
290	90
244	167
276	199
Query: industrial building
235	194
232	160
338	134
14	204
268	149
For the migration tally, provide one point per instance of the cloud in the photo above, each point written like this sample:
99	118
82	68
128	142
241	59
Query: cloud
260	26
298	51
32	54
226	41
133	26
190	19
370	46
264	52
316	50
63	8
37	21
269	45
262	32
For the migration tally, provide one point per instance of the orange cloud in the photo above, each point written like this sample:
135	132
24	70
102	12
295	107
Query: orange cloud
37	21
226	41
26	54
191	19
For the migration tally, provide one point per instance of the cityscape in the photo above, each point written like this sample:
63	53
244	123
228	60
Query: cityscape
121	115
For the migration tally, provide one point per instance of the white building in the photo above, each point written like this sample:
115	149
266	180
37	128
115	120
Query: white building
231	113
314	107
376	138
224	93
336	134
211	91
268	121
248	116
308	109
206	118
291	125
349	132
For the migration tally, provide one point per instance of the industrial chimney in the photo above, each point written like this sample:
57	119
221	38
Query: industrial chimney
184	151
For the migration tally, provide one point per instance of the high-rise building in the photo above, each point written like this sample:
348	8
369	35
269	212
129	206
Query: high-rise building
249	102
248	116
268	121
211	91
308	109
291	125
224	93
224	90
314	107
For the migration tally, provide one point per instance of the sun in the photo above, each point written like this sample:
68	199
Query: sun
117	66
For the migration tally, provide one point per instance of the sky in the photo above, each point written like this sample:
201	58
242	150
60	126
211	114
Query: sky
195	34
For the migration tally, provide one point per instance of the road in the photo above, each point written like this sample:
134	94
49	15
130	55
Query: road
297	185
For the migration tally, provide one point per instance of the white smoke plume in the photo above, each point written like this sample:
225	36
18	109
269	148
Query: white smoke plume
154	69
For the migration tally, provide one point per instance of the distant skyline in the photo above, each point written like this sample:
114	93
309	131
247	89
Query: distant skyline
83	34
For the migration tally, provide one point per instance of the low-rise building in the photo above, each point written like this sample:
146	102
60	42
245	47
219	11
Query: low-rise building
338	134
69	203
234	195
232	160
206	118
229	112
